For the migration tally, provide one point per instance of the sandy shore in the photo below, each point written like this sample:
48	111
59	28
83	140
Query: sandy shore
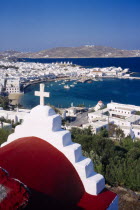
15	98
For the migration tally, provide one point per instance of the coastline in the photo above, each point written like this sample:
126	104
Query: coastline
45	80
82	80
72	57
83	77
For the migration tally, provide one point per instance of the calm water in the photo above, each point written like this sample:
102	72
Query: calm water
119	90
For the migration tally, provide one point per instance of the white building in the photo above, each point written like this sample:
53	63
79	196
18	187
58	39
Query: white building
2	81
13	85
98	115
99	106
97	73
15	116
136	130
2	84
6	126
113	106
1	88
71	112
122	115
97	126
122	111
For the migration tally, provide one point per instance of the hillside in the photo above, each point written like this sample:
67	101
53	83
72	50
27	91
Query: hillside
88	51
8	54
128	199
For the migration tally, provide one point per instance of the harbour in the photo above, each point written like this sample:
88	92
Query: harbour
105	79
86	93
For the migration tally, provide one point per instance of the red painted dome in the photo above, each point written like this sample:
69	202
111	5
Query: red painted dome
100	102
42	168
51	178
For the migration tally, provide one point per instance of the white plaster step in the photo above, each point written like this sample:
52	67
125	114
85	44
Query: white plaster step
62	138
84	167
94	184
58	139
42	111
73	152
52	123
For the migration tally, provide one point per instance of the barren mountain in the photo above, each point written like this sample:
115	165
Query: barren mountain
10	55
87	51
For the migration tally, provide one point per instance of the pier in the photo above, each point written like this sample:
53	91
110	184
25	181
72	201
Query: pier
134	77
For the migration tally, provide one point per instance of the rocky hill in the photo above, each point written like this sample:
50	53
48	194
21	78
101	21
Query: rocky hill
128	199
87	51
10	55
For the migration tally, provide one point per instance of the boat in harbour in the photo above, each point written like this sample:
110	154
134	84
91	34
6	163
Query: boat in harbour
66	86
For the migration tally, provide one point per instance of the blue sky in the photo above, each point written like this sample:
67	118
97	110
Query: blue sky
33	25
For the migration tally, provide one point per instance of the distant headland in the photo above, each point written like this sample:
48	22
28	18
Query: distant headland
86	51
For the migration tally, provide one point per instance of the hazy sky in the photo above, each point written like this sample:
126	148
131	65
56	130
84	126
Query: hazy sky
33	25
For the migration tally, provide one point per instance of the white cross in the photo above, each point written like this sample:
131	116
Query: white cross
42	94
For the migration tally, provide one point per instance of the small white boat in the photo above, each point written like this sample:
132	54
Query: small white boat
66	87
72	85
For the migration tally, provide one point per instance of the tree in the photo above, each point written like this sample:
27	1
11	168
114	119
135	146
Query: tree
137	112
4	102
111	129
78	131
4	133
115	131
119	134
103	132
119	161
127	143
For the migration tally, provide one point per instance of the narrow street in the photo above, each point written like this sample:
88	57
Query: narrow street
82	118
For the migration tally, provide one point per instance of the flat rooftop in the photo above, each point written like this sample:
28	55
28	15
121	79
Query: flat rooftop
131	106
136	127
124	108
102	111
98	124
125	127
133	118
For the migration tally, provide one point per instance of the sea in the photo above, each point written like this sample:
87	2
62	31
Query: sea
126	91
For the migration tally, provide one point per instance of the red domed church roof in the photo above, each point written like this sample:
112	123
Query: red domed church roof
50	176
43	168
100	102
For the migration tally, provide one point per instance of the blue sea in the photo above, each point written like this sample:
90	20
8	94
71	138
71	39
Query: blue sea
119	90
